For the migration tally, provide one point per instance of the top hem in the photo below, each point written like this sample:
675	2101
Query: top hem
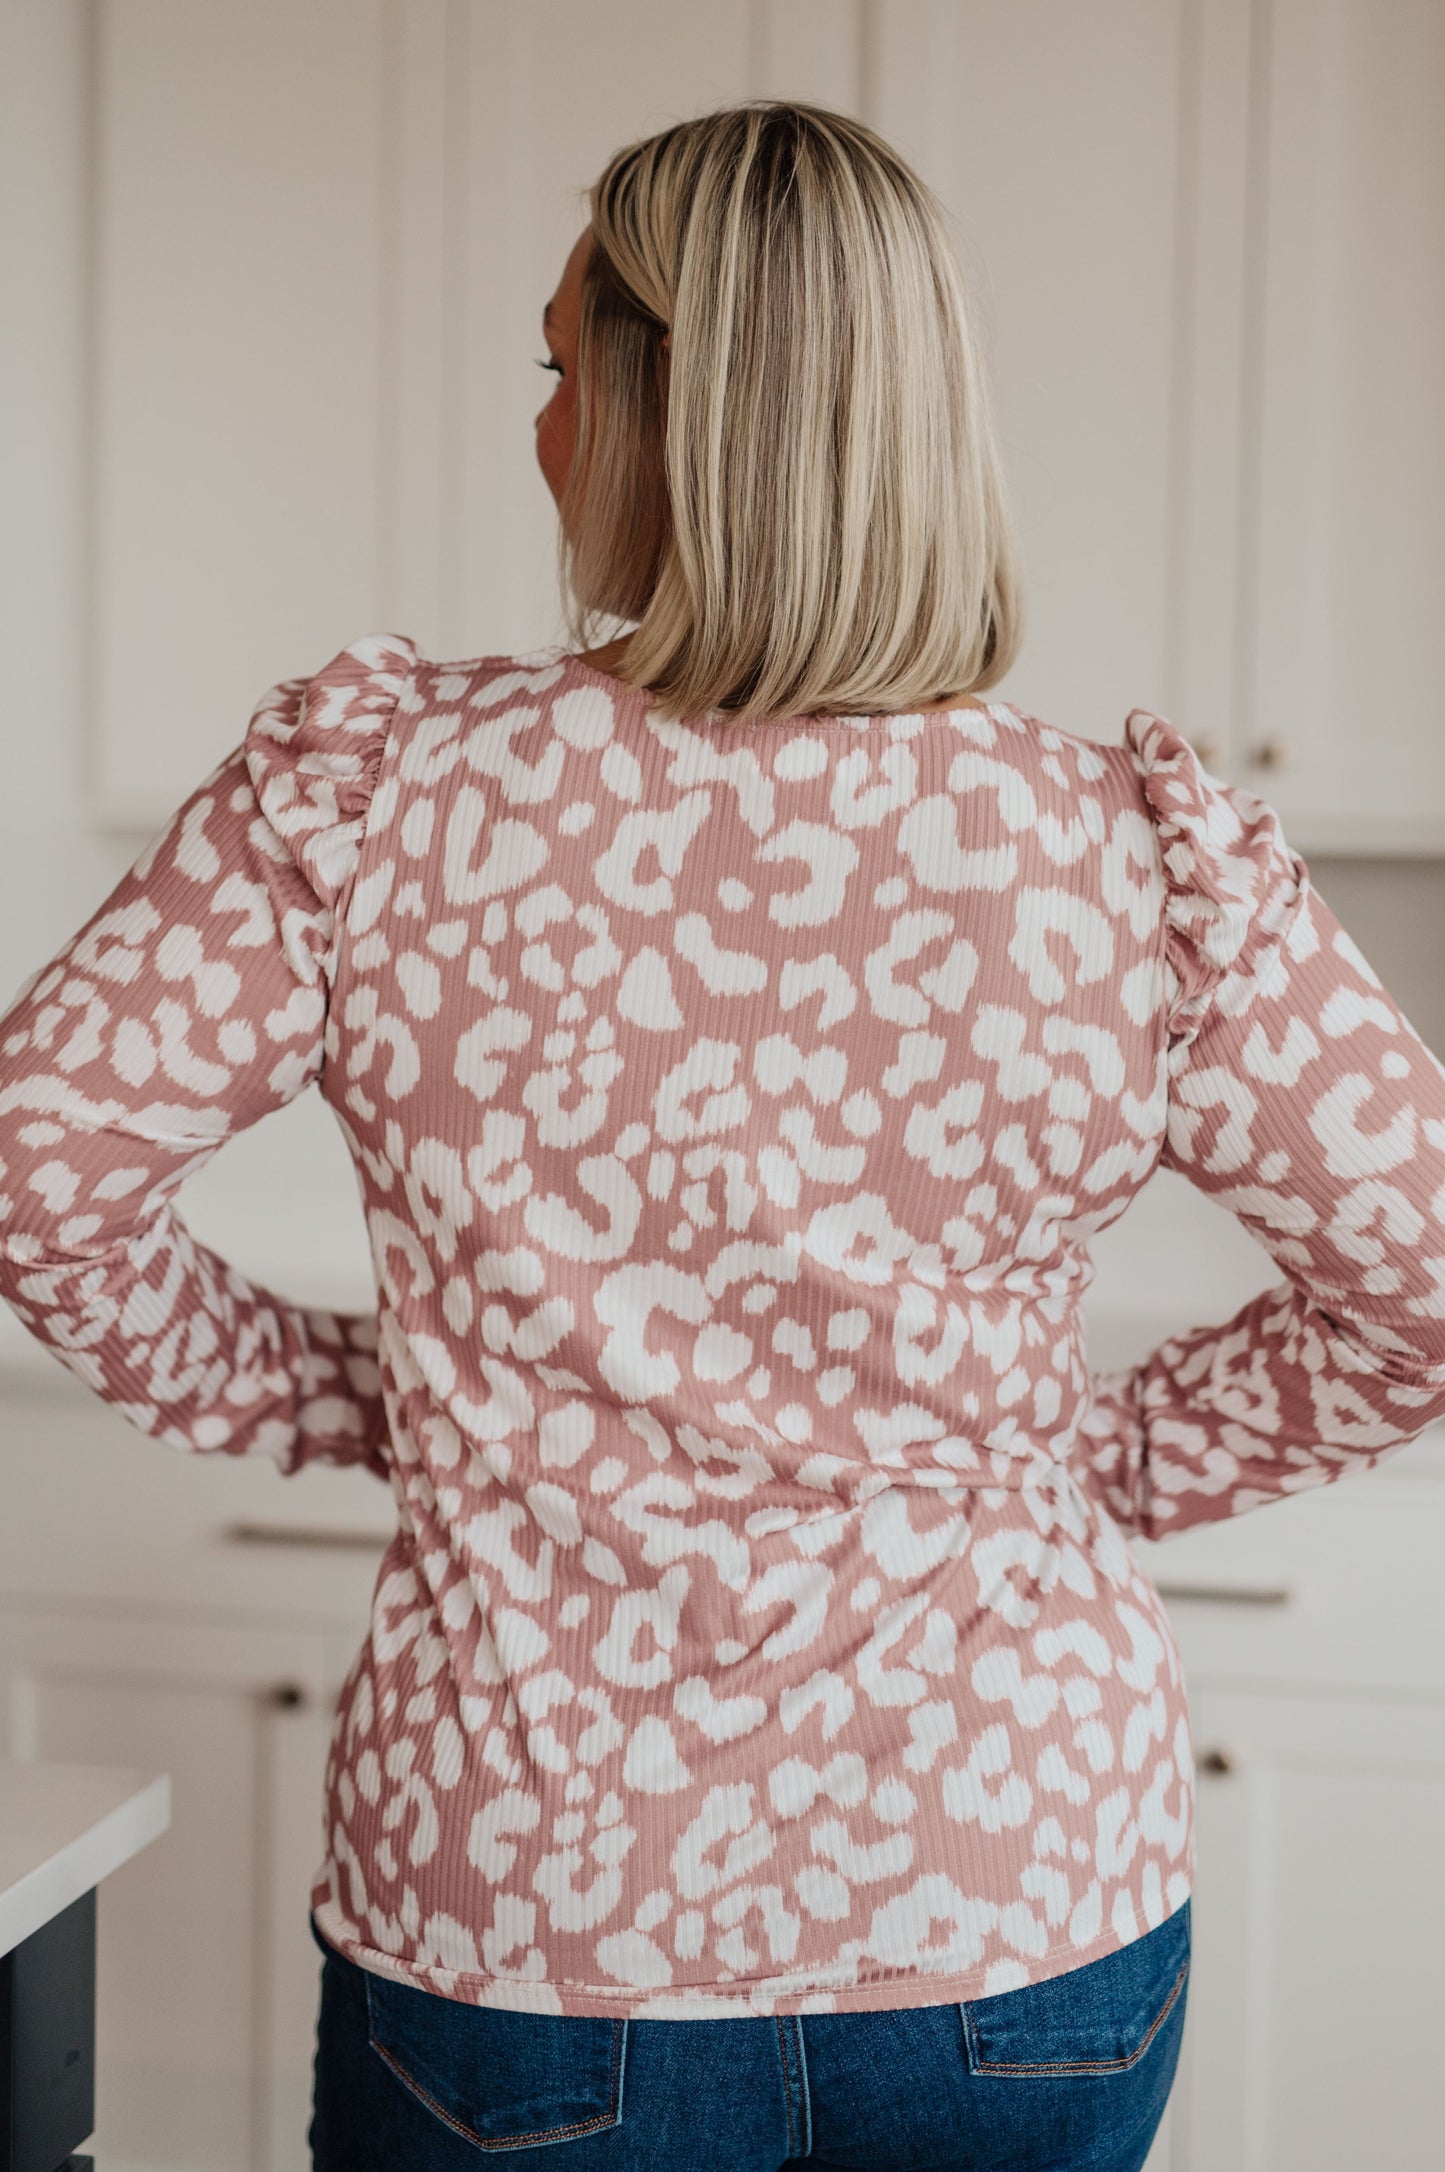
765	1996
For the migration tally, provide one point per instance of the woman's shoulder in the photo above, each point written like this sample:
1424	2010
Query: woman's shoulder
334	708
1089	760
1215	837
1234	886
314	749
334	722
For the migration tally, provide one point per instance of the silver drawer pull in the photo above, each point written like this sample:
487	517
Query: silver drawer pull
1229	1594
301	1534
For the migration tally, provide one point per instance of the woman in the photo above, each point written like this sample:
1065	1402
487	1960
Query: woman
766	1746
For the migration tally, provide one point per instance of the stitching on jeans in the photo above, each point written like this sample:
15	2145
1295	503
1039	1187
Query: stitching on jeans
787	2087
609	2118
1077	2066
614	2079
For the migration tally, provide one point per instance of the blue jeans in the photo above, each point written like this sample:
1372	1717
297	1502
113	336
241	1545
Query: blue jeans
1072	2072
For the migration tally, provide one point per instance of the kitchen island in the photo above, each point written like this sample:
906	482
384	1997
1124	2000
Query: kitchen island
62	1829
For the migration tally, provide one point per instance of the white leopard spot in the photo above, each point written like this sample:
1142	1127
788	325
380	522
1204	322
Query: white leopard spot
824	1894
652	1763
584	718
416	827
722	972
621	773
635	1958
420	985
919	1061
556	1512
565	1435
721	1719
861	1115
928	836
720	1353
799	758
481	1056
997	1674
859	1239
644	994
624	1304
665	836
515	851
829	859
967	1795
1079	929
801	978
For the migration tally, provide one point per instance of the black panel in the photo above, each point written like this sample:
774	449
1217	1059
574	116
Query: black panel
47	2044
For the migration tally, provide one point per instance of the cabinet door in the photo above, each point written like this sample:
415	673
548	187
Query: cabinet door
1343	542
1316	2009
206	1994
1092	160
323	239
241	261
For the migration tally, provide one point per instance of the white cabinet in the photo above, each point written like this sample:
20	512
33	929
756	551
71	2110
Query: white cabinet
1313	1637
1205	244
1211	239
138	1623
323	240
1054	136
1316	2009
321	257
1342	544
241	238
206	1972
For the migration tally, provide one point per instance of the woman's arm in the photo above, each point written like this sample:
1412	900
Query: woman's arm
190	1004
1301	1098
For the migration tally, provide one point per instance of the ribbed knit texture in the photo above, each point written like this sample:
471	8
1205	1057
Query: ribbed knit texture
733	1108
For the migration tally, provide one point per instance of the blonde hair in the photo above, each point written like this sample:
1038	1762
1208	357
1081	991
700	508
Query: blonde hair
785	469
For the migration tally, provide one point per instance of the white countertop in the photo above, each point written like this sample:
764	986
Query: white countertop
65	1827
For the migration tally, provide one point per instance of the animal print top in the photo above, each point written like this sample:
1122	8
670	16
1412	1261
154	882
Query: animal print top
733	1108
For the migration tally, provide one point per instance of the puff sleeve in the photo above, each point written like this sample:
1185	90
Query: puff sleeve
189	1005
1301	1098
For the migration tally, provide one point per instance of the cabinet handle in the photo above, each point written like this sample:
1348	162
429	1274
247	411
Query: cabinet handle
1229	1594
287	1697
1269	754
1219	1761
300	1534
1207	749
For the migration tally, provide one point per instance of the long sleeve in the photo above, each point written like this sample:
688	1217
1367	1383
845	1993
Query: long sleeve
1301	1098
189	1005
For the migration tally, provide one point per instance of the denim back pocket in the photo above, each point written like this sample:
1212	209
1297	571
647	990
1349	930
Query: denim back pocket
502	2080
1100	2018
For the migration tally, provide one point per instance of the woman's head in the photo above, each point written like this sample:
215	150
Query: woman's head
775	452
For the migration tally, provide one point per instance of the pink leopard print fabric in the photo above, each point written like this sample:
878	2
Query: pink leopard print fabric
734	1108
